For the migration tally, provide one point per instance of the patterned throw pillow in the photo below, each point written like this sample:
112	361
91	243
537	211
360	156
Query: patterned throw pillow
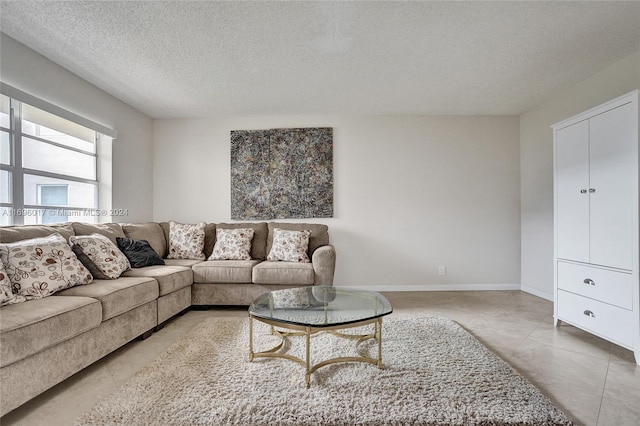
186	241
232	244
39	267
7	297
100	255
290	246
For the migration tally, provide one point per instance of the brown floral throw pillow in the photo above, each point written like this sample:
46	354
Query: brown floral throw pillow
186	241
39	267
7	296
290	246
100	255
232	244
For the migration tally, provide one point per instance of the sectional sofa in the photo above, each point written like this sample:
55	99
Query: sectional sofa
45	341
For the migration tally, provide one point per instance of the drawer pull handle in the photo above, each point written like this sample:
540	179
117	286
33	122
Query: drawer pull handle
589	314
589	281
583	191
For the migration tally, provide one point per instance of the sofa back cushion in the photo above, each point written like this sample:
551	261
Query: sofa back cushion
319	234
259	241
109	230
152	232
11	234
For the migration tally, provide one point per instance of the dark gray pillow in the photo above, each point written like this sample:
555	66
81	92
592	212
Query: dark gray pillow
139	252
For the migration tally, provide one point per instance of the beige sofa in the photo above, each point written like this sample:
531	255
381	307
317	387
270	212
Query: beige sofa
44	341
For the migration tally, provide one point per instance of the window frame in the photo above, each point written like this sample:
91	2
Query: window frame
17	172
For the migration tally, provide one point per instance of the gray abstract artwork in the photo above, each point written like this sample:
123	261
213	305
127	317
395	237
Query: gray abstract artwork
281	173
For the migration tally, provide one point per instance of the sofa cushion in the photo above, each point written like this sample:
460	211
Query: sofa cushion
290	246
232	244
152	232
173	303
139	252
259	242
209	236
109	230
186	241
28	328
100	255
11	234
319	234
39	267
118	296
182	262
170	278
283	273
224	271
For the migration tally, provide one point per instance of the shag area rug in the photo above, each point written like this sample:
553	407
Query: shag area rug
435	373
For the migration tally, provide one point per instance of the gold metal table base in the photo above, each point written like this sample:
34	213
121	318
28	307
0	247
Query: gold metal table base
307	332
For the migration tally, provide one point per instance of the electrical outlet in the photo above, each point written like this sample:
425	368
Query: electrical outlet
442	270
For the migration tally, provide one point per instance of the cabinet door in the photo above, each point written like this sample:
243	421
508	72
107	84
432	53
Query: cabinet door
613	177
572	197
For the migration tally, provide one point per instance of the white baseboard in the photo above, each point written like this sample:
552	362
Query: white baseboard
440	287
536	292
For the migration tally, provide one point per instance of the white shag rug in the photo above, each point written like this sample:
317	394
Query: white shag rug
435	373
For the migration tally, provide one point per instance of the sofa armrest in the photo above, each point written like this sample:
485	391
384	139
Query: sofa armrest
324	264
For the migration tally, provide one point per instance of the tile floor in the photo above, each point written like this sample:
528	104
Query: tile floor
593	381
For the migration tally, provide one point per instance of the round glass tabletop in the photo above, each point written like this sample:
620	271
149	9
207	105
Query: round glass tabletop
320	306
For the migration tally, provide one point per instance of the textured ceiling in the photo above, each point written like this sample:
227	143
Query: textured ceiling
197	59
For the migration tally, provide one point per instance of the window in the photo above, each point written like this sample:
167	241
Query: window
49	165
53	195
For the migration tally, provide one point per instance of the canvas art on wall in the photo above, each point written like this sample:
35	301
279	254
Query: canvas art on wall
281	173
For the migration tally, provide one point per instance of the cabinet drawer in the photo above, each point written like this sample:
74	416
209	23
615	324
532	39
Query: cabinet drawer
608	321
607	286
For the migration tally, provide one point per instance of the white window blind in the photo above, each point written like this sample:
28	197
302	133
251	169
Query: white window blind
43	147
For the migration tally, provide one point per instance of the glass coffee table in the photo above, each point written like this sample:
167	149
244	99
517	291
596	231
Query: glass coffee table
306	311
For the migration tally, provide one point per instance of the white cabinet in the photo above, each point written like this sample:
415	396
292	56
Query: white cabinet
613	174
596	222
572	186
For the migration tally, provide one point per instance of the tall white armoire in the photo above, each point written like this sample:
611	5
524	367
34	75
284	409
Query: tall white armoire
596	231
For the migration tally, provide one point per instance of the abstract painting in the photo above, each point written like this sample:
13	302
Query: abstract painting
281	173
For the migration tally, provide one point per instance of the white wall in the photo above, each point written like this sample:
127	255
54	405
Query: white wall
410	193
536	164
132	183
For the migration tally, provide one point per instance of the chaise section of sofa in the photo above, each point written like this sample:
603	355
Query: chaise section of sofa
44	341
43	323
41	369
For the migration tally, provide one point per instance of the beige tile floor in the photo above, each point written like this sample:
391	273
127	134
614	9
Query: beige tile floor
593	381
